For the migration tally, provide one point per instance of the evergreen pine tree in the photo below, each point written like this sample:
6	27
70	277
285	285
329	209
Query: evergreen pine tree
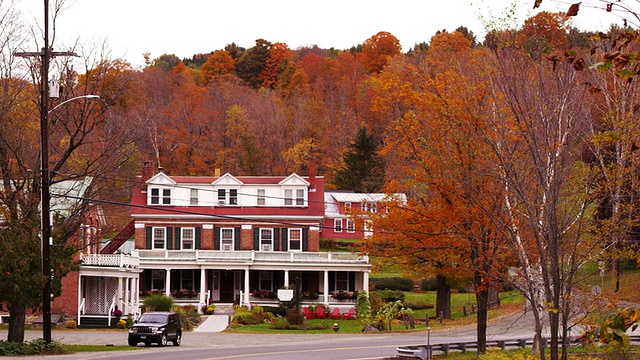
364	168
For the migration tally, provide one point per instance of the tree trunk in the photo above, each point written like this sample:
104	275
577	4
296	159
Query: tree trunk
16	323
443	298
481	326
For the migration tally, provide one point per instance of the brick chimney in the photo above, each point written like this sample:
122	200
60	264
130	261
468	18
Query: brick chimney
147	173
312	174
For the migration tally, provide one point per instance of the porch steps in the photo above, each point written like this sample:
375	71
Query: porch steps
98	321
224	309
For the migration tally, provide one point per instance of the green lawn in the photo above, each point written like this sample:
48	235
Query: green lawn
511	302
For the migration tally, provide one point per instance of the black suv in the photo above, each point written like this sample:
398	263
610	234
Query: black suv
156	327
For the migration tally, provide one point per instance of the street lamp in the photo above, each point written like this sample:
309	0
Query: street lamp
74	98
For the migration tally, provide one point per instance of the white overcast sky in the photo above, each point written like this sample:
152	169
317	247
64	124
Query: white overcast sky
133	27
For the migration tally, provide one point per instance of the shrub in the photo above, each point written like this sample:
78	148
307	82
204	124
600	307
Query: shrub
363	307
417	304
389	295
294	317
33	347
121	324
70	324
283	324
392	283
275	310
158	302
428	284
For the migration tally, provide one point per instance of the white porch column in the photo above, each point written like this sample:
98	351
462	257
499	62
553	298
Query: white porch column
136	296
286	278
79	296
325	289
203	288
365	281
127	296
167	283
119	294
246	290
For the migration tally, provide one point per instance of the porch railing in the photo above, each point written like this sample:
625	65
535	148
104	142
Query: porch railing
81	310
113	260
253	256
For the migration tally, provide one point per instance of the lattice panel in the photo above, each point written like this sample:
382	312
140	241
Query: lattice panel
99	293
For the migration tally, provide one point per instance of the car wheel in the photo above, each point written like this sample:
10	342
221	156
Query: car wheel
132	343
163	340
178	340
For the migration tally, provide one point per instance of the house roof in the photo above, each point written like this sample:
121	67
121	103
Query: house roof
333	199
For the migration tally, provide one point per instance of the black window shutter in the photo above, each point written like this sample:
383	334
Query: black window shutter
256	238
149	232
236	238
147	278
276	239
305	239
332	281
177	237
352	281
198	235
169	238
285	239
216	238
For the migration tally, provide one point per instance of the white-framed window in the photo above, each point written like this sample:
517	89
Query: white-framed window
369	207
337	225
187	277
347	207
193	198
342	281
227	196
299	197
188	238
295	239
261	198
266	280
351	226
226	239
266	239
294	196
159	237
160	196
368	228
157	279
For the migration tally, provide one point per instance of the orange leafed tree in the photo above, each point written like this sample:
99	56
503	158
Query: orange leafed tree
378	49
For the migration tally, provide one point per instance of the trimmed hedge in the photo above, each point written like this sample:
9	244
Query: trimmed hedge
392	283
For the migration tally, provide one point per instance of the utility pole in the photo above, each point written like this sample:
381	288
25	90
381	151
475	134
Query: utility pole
45	177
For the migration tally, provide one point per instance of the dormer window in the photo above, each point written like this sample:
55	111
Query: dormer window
292	197
160	196
227	196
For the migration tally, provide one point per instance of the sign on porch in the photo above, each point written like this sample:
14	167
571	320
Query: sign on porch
285	294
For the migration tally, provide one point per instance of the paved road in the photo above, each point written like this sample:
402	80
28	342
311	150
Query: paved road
203	345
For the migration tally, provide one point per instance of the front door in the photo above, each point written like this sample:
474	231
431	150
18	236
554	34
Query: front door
226	287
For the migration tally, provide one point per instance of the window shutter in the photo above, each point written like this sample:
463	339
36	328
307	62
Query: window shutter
216	238
147	278
285	239
305	239
149	232
332	281
352	281
169	238
276	239
198	235
256	238
236	238
177	238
